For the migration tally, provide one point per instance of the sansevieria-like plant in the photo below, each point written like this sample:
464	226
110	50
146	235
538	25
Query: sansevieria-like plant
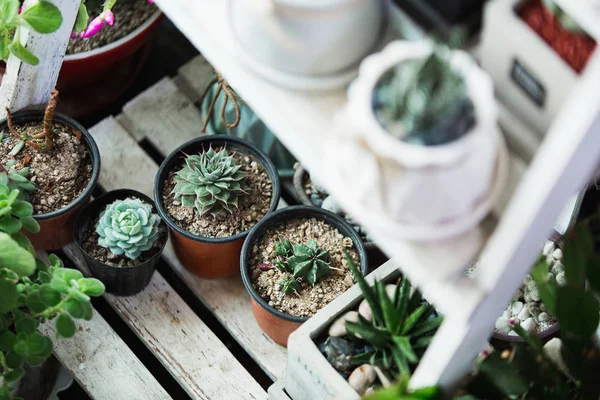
401	328
128	227
211	181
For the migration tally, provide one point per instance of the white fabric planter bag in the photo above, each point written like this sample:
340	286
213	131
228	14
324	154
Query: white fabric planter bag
402	190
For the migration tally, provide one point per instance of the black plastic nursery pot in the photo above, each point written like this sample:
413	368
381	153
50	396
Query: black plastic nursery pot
56	228
443	15
276	324
120	281
210	258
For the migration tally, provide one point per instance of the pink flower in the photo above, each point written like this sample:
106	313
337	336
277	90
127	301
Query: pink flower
109	17
151	1
20	9
93	28
73	35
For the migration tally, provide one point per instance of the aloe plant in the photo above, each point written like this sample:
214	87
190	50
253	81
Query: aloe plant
401	328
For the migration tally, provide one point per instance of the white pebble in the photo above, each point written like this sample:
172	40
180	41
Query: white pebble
528	325
542	307
543	316
548	248
557	254
527	297
524	314
534	311
507	314
330	204
550	260
517	296
391	290
513	333
502	325
553	351
527	279
516	307
561	278
338	328
362	377
364	309
557	268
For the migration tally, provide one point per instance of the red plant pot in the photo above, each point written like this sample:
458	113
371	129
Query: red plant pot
56	227
83	68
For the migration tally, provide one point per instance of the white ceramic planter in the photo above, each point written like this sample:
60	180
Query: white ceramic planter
307	37
309	375
424	193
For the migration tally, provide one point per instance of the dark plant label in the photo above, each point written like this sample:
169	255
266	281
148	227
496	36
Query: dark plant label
528	83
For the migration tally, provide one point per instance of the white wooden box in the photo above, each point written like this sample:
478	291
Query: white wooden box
309	375
530	78
277	391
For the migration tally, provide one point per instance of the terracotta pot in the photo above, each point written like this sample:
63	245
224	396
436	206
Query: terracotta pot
83	68
120	281
209	258
276	324
376	256
56	228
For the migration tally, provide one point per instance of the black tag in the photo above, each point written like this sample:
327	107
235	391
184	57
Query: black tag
528	83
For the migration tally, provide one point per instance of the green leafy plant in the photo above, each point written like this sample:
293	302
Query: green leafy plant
211	182
14	178
14	213
400	391
43	17
565	20
33	292
401	328
424	101
128	227
289	285
304	261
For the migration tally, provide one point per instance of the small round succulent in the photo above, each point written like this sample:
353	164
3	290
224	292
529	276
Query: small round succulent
127	227
17	179
210	181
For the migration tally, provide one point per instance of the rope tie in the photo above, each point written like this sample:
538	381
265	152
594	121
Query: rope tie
230	95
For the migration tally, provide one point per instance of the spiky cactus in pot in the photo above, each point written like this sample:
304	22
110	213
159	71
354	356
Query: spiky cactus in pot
424	101
128	227
304	261
211	181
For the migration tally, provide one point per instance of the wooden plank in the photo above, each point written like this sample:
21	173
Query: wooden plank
102	364
226	298
162	107
193	77
27	85
161	319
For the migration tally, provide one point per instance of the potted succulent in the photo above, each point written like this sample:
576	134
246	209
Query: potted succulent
32	291
210	192
368	342
56	162
311	192
121	238
293	265
566	367
306	38
94	50
423	119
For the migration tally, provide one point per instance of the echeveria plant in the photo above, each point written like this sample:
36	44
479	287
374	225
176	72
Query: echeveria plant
128	227
43	17
33	292
211	182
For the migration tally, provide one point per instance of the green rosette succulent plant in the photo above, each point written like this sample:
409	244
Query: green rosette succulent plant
304	261
18	179
424	101
211	182
128	227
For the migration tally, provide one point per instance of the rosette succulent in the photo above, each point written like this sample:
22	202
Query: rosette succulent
128	227
18	179
211	182
304	261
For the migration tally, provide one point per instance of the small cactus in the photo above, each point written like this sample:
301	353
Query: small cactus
288	285
304	261
127	227
211	182
18	179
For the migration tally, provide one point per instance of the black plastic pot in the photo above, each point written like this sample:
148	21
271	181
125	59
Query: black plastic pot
120	281
210	258
56	228
276	324
443	15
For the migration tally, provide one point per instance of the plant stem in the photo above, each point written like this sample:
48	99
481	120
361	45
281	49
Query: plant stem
48	312
3	363
48	119
11	128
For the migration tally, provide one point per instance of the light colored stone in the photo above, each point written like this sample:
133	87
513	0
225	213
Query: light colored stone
330	204
516	308
364	309
552	349
502	325
362	377
524	314
338	328
543	317
557	254
513	333
507	314
529	325
517	296
548	248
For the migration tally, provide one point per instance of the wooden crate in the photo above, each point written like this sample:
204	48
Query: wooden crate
309	375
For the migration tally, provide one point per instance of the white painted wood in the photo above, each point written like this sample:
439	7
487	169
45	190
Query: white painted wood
163	321
25	85
226	298
277	391
309	375
164	112
102	364
566	160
